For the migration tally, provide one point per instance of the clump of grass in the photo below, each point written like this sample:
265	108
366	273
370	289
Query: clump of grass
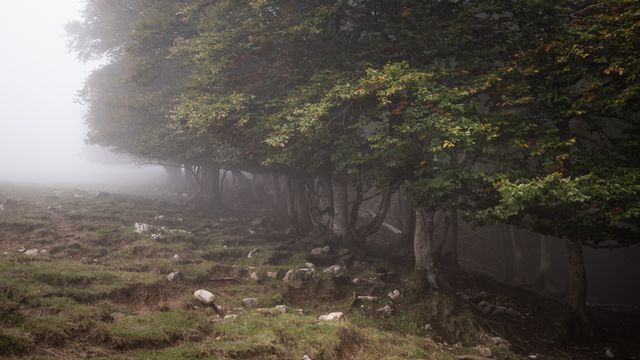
14	343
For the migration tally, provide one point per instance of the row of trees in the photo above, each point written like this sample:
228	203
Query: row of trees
520	111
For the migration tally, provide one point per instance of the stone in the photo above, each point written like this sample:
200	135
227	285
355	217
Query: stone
142	228
394	295
310	266
306	357
44	252
254	277
174	276
298	278
32	252
367	298
484	351
250	302
386	311
290	231
316	251
204	296
343	252
231	317
334	316
272	275
334	269
513	312
609	353
257	221
157	237
253	253
326	249
282	308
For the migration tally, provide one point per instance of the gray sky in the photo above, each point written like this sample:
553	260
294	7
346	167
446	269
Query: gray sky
41	128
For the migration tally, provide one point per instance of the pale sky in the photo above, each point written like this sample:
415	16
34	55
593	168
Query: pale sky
41	127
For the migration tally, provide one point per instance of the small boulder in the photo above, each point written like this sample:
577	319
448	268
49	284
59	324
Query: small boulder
334	316
513	312
394	295
252	253
333	270
316	251
250	302
282	308
231	317
254	277
298	278
204	296
326	249
272	275
484	351
32	252
142	228
174	276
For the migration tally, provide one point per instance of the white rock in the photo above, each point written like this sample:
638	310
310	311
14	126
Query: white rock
44	251
21	250
368	298
282	308
231	317
253	253
254	277
326	249
334	316
174	276
334	269
32	252
395	294
310	266
306	357
157	237
141	228
316	251
297	278
484	351
250	302
204	296
272	275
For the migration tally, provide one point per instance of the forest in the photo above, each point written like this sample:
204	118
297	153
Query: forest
364	136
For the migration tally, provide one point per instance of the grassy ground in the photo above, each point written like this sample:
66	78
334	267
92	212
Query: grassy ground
100	289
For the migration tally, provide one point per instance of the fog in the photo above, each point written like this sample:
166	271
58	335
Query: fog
42	129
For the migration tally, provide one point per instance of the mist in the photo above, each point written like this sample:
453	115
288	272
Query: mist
42	130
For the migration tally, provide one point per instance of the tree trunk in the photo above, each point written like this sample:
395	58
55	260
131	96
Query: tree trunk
325	202
291	204
450	251
425	266
507	254
279	196
408	219
302	210
340	208
579	323
215	196
518	256
544	266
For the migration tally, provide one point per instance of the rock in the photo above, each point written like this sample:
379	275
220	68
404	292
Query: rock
316	251
21	250
142	228
298	278
609	353
231	317
306	357
334	316
326	249
367	298
157	237
253	253
44	252
497	340
250	302
395	294
174	276
282	308
254	277
484	351
343	252
32	252
513	312
427	327
334	269
272	275
386	311
257	221
290	231
310	266
204	296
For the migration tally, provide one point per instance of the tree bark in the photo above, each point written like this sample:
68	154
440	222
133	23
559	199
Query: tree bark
279	198
302	210
215	196
408	219
450	251
544	266
518	256
579	322
425	265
